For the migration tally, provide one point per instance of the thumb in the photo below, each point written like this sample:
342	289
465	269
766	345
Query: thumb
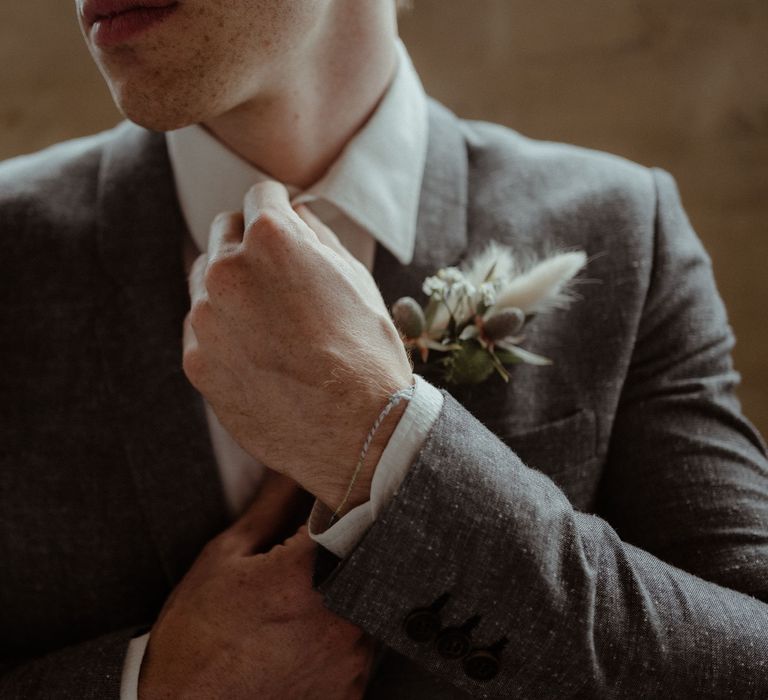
300	539
278	508
299	548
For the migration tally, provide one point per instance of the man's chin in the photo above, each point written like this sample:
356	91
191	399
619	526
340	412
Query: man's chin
155	121
157	115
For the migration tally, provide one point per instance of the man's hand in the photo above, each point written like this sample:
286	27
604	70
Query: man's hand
245	625
289	340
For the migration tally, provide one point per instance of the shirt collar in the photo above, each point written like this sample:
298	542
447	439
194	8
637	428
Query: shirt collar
375	181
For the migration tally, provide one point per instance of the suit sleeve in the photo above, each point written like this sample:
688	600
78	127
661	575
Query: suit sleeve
90	670
663	594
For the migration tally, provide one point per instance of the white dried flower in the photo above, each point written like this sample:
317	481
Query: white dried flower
495	262
499	281
434	286
462	288
451	275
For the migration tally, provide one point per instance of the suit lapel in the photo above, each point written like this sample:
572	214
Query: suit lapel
443	237
162	418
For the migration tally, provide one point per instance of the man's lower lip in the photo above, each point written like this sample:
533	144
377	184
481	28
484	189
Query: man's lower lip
111	31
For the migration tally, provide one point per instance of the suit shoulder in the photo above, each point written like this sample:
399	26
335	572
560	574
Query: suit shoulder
544	195
502	160
48	208
53	181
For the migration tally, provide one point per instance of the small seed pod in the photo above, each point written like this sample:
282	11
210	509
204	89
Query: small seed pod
504	323
408	317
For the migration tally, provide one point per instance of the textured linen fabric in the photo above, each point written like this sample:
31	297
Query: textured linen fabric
606	515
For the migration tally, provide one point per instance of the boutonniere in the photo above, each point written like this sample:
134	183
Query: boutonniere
476	315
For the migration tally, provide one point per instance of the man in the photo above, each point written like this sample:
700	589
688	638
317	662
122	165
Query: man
595	528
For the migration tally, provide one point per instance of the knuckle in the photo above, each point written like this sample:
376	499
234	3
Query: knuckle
200	313
220	271
270	221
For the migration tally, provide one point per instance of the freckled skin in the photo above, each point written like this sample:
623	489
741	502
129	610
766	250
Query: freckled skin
208	57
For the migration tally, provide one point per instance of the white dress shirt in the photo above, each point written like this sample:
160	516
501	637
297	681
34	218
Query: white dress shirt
370	193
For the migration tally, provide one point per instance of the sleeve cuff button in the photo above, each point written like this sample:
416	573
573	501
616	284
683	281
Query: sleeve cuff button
481	665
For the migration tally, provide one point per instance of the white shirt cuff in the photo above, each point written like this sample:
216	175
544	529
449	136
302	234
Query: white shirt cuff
401	450
129	683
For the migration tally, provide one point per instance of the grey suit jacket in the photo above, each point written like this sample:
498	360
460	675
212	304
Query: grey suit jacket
596	528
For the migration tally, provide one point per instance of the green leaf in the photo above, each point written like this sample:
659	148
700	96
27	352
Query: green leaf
499	367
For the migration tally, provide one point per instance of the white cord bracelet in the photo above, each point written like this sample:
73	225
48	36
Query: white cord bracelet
393	400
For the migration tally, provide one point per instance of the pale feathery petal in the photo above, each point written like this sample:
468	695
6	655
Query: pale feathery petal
494	256
543	287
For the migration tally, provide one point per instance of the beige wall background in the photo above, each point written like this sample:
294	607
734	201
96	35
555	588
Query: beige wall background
682	84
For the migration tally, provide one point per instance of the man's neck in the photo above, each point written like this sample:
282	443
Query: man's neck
295	129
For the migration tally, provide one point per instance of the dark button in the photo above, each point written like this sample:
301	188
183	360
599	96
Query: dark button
452	643
481	665
422	625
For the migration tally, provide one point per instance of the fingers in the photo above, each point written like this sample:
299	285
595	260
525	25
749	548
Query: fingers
196	292
267	208
267	211
268	195
323	233
300	540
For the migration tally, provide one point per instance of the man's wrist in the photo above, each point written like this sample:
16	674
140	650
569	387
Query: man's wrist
334	492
